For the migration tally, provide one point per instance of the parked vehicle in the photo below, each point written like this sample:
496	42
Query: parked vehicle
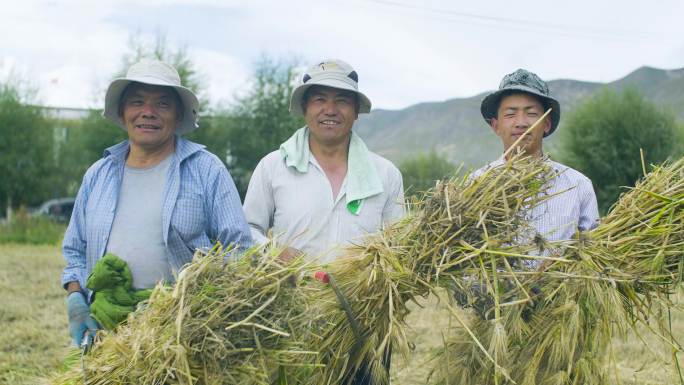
57	209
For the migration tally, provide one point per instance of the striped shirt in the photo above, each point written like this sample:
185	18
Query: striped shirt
573	208
200	206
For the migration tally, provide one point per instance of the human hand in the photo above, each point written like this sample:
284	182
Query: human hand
288	254
80	320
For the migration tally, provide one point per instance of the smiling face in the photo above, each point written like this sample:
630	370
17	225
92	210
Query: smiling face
151	115
330	114
516	113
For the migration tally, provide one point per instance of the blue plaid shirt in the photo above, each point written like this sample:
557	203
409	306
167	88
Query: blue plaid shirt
200	206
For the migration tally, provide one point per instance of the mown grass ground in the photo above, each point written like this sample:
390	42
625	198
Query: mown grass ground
33	323
635	362
34	338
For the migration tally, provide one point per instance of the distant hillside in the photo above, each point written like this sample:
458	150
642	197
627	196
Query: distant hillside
455	127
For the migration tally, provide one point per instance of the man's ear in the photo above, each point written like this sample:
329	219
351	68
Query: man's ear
494	124
547	125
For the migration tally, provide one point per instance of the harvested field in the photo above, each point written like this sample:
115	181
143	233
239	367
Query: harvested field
33	322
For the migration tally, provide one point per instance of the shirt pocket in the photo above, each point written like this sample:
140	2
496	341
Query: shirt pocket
189	219
369	219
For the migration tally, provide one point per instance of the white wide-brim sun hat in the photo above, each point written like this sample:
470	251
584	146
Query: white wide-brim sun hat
157	73
329	73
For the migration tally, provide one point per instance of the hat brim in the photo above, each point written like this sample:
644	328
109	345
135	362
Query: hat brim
188	99
490	104
298	95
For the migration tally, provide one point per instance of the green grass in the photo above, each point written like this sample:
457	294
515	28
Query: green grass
34	340
37	231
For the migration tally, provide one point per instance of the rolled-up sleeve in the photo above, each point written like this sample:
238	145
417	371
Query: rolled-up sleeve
259	204
74	243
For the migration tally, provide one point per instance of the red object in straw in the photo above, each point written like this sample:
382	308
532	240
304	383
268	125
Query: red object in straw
321	276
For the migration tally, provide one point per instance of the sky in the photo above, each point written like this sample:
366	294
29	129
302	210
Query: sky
404	51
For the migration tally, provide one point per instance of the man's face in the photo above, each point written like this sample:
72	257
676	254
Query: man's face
150	114
330	114
516	113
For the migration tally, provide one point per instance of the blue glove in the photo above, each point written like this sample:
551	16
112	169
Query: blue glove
80	320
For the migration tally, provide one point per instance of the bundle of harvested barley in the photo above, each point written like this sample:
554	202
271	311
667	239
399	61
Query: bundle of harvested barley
548	326
235	322
617	275
244	323
463	229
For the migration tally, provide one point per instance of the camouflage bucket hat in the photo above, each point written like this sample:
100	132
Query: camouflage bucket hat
521	81
329	73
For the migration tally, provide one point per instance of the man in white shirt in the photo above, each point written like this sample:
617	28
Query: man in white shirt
323	188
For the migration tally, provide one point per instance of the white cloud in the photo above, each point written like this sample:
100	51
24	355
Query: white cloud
227	76
405	54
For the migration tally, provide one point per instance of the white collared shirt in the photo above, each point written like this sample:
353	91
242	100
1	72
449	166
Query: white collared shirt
300	211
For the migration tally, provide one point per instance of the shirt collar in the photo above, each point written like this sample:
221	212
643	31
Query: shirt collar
557	167
544	157
184	148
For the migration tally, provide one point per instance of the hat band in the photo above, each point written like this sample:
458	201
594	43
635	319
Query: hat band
153	80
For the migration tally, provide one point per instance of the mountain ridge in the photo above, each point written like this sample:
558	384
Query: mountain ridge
455	128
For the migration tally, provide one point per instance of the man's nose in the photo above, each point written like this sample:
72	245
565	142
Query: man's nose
149	110
330	107
521	121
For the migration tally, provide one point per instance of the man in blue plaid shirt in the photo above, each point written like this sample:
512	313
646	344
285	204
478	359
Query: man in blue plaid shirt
153	199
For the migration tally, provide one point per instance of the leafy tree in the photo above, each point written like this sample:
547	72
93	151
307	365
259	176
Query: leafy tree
86	143
26	150
603	136
421	171
260	121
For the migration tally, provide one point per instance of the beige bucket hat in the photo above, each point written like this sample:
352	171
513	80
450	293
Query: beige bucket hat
153	72
330	73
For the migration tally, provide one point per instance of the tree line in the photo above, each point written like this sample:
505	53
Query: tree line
600	138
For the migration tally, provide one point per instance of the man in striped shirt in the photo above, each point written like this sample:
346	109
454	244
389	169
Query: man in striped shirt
522	98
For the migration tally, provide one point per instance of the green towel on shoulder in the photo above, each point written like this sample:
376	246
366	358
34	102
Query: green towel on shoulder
363	180
115	298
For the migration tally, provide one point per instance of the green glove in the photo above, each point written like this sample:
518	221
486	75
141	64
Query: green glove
115	298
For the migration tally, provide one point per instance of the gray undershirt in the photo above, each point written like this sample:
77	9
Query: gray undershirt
136	235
